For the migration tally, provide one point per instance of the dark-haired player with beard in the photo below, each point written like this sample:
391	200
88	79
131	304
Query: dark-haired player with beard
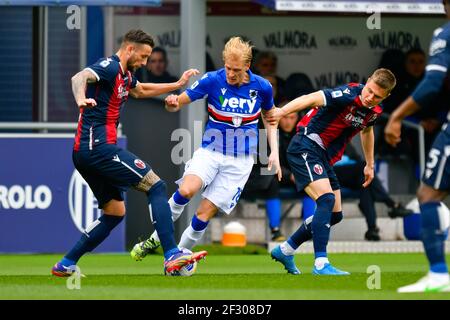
100	92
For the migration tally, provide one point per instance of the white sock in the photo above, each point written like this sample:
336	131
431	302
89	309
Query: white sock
439	277
319	263
177	209
190	237
287	249
154	236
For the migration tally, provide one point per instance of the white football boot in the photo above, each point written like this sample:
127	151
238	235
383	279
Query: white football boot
430	283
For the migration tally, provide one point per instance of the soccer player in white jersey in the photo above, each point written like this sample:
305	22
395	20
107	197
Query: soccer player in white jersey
236	97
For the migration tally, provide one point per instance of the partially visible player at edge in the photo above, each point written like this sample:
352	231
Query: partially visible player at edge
221	167
436	178
101	91
337	115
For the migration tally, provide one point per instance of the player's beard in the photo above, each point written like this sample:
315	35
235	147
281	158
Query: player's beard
131	67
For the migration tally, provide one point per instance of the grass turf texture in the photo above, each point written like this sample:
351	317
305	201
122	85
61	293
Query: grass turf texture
220	276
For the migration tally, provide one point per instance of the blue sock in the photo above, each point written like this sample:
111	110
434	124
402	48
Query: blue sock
98	232
162	217
433	237
320	225
273	209
197	224
304	233
179	199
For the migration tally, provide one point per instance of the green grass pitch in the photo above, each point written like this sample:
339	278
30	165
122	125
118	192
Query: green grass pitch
220	277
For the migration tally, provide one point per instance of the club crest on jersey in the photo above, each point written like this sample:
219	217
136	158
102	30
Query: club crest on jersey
318	169
139	163
237	121
253	94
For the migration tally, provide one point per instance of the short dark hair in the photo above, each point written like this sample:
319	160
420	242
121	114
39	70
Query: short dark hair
138	36
162	51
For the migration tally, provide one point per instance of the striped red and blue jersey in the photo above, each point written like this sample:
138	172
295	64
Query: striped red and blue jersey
98	125
341	117
233	111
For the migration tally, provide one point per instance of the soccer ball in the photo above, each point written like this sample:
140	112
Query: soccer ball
186	271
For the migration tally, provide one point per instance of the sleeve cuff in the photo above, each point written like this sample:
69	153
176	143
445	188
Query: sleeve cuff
95	73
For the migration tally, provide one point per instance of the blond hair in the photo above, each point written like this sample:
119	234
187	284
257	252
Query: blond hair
384	78
238	48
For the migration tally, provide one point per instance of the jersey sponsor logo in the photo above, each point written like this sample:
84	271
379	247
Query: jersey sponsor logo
83	205
122	92
318	169
139	163
25	197
237	103
356	121
437	46
337	94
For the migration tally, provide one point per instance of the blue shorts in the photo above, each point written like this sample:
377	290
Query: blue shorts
437	171
109	171
309	162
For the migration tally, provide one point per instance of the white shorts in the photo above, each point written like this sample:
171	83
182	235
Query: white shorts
223	176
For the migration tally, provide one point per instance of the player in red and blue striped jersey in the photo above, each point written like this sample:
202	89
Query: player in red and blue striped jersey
336	116
108	169
435	184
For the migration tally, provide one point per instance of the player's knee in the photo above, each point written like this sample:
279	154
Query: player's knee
147	182
186	191
114	208
203	215
326	201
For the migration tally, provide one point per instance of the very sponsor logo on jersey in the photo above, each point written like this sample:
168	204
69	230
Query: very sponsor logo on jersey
240	105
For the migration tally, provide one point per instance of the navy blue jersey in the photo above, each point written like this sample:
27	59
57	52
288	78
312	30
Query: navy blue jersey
436	82
98	125
233	111
333	125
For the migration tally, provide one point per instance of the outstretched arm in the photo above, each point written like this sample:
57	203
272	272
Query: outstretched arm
148	90
79	82
174	103
272	136
312	100
367	143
